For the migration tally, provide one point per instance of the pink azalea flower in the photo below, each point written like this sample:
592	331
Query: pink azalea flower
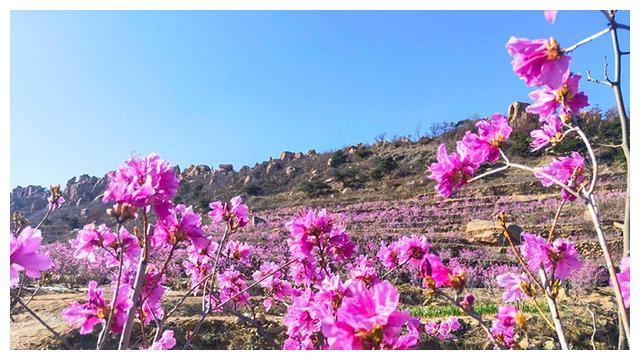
302	322
566	169
341	247
447	328
565	258
315	232
538	62
305	272
235	214
363	269
567	95
624	280
166	342
549	133
452	171
389	255
231	283
275	287
330	294
152	291
550	15
512	285
237	251
24	255
368	319
129	246
91	238
412	250
560	256
196	270
180	225
433	272
485	146
141	182
467	301
86	316
536	251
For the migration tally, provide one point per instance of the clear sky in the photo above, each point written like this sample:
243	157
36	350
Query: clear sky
88	88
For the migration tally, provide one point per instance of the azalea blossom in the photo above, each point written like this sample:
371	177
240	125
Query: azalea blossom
560	256
237	251
539	62
141	182
231	283
442	330
546	99
624	280
485	146
303	322
513	286
91	238
363	269
412	250
25	255
128	246
55	199
433	273
235	214
452	171
550	15
569	170
166	341
275	287
95	310
367	319
389	255
550	133
181	224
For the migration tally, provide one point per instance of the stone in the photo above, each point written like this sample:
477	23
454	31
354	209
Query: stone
311	152
520	120
256	220
298	156
273	166
286	155
226	167
490	232
347	190
290	170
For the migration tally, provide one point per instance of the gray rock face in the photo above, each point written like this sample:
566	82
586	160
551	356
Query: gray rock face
85	189
226	167
286	155
490	232
273	166
29	199
520	119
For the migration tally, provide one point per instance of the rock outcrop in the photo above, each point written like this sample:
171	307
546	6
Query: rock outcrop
490	232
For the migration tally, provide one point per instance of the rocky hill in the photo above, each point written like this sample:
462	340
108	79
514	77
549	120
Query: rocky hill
388	169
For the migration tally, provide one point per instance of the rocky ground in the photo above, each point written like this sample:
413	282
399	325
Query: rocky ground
581	312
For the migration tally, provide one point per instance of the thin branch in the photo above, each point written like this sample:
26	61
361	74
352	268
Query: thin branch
593	324
231	298
51	330
474	315
587	40
105	329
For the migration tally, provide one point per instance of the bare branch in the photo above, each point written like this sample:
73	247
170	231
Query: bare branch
587	40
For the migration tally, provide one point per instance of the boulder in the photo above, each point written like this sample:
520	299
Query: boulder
311	152
290	170
298	155
256	220
286	155
490	232
520	119
273	166
225	167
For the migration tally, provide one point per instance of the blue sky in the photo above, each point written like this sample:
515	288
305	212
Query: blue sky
207	87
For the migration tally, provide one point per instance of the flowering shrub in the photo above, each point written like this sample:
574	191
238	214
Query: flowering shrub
337	294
